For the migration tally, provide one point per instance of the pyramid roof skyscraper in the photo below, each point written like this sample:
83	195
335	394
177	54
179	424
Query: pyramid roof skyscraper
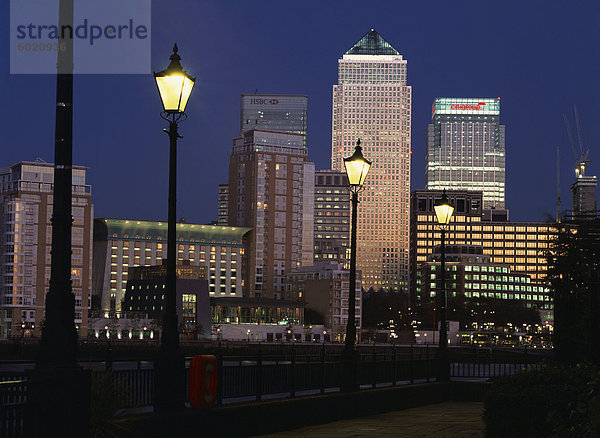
372	44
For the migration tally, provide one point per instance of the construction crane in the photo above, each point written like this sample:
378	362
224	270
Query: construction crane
581	157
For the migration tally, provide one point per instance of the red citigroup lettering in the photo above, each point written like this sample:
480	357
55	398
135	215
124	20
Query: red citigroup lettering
475	107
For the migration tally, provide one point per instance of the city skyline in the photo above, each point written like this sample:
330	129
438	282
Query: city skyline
521	68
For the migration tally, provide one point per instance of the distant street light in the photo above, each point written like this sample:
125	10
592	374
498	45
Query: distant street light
357	168
443	211
174	86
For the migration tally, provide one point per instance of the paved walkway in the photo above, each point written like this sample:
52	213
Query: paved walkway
438	420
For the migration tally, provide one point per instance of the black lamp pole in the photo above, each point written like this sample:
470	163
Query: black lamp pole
357	168
444	370
170	366
170	372
59	336
443	212
350	350
62	386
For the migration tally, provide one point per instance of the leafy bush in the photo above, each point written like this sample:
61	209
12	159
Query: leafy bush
557	401
107	398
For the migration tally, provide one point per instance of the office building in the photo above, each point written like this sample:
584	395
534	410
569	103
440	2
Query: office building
372	102
26	202
519	245
324	288
466	148
120	244
268	178
332	217
275	112
471	274
145	293
583	190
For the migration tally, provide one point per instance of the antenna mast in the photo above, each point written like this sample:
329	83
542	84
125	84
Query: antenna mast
557	185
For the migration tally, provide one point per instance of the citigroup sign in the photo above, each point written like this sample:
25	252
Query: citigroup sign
473	107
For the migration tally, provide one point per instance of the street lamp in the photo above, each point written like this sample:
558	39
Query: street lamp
357	168
443	211
174	87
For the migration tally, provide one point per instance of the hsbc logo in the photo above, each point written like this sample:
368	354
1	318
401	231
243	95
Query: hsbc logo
255	101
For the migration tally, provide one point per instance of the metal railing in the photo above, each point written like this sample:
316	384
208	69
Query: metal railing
284	371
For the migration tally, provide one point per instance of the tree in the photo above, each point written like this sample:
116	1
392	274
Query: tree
479	310
312	317
384	309
574	276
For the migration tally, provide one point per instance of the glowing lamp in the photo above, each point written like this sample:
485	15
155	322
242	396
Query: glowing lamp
443	210
174	85
357	167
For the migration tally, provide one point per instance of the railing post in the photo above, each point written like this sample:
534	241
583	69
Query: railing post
323	368
219	374
428	372
412	364
293	371
259	373
374	367
395	365
109	359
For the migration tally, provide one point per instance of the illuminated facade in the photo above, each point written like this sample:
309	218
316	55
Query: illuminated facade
465	148
332	216
275	112
223	207
471	274
26	201
120	244
521	246
271	190
372	102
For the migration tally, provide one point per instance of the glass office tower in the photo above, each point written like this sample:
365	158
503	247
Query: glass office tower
465	148
274	112
372	102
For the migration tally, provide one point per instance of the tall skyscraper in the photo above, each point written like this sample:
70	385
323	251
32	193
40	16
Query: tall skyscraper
26	241
465	148
372	102
268	179
274	112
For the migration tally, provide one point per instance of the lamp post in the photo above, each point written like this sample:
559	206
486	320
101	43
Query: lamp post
174	86
443	211
357	168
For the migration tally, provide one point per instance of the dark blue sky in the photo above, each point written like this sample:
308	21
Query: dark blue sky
540	57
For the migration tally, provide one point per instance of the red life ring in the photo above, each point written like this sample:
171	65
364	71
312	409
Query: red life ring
202	384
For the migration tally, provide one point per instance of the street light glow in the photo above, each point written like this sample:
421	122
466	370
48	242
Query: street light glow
174	85
443	210
357	167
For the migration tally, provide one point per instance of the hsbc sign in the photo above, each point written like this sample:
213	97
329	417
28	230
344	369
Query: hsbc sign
256	101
